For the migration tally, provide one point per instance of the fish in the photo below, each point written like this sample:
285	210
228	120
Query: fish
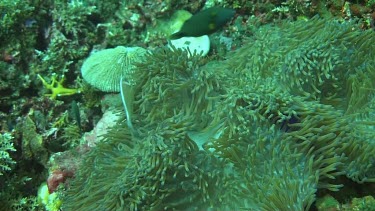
76	114
204	22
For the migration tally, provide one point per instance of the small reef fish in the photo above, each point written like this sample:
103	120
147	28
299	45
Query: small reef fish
204	22
76	115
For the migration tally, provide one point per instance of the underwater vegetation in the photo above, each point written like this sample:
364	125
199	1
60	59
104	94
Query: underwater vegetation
279	119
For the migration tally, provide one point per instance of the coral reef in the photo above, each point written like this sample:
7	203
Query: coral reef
277	112
273	124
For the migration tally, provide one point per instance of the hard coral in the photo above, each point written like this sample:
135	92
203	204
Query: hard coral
104	69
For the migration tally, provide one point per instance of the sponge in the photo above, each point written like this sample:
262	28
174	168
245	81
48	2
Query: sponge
51	201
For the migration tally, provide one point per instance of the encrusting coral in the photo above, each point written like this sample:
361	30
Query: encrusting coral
264	129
